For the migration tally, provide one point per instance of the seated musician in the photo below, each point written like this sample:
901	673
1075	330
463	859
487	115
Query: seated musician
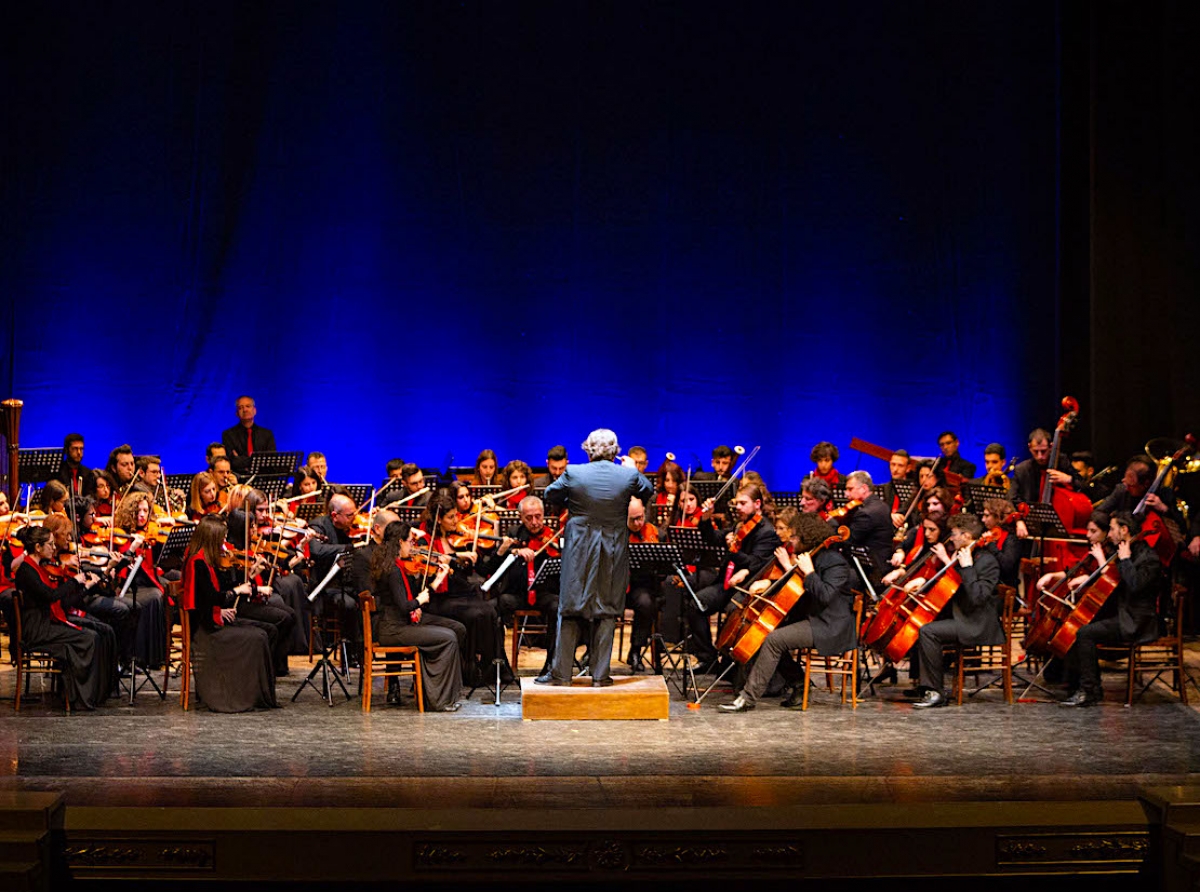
231	656
51	620
78	479
932	531
667	481
516	589
459	597
722	464
1097	538
1006	548
226	479
934	503
954	462
828	625
202	498
816	497
751	543
994	458
212	452
304	483
645	595
769	507
105	487
148	470
413	481
1095	488
516	473
392	469
556	463
400	620
641	460
135	515
54	498
121	466
1136	618
898	468
823	455
974	608
686	512
1026	485
281	598
333	539
871	523
1139	474
486	468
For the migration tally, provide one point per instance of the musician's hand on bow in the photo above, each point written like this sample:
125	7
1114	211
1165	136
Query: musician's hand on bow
759	586
893	576
1047	580
897	519
527	553
897	558
706	510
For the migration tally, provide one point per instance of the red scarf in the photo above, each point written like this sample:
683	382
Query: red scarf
56	608
832	477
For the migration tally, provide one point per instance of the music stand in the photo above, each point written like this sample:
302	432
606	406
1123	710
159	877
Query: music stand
39	465
1049	523
360	492
975	494
177	541
135	669
786	499
388	491
325	663
274	463
309	511
906	491
271	485
180	481
478	491
691	548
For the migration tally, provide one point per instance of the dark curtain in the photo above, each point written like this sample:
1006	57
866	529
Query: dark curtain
421	229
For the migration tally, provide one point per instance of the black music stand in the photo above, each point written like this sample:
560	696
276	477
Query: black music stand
272	486
692	549
309	511
389	491
478	491
177	541
786	499
39	465
274	463
662	514
906	491
975	494
360	492
135	669
708	489
325	664
180	481
659	556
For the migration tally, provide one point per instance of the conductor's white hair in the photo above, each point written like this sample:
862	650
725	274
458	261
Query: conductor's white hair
601	445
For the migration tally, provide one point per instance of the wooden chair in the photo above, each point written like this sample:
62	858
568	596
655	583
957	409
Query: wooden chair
993	659
33	661
1163	654
526	624
396	661
179	644
845	666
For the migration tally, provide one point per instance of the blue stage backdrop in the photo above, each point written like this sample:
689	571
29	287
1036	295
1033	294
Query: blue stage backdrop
420	229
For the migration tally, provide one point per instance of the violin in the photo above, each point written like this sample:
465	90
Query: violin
464	538
423	562
839	513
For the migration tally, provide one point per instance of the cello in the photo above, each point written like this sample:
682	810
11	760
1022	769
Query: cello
749	625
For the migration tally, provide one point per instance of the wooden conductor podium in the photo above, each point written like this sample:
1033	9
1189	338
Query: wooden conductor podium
629	697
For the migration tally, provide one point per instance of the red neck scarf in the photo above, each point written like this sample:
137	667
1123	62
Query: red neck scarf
188	601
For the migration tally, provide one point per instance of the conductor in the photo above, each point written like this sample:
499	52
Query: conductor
595	552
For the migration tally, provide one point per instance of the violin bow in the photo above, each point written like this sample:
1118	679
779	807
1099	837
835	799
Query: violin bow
741	469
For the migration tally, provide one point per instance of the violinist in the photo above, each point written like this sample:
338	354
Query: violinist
203	498
334	538
823	455
486	467
975	611
413	481
751	543
954	462
279	594
815	496
556	463
645	595
871	523
231	656
829	605
226	480
1005	546
51	620
516	473
1136	618
105	486
54	498
305	483
686	512
458	595
121	466
477	515
134	517
721	462
246	438
667	481
72	473
401	621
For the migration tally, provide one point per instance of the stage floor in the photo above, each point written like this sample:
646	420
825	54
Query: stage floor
485	756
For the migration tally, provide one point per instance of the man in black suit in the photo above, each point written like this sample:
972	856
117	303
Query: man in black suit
871	523
245	438
954	463
751	542
556	463
722	464
975	611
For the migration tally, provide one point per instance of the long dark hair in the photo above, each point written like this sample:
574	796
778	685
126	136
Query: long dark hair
383	559
208	538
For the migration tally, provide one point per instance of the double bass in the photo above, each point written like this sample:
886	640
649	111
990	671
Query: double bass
1158	534
748	626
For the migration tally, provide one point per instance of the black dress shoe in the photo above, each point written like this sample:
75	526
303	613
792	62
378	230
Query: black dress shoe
634	660
551	680
931	700
1080	698
796	700
393	694
602	682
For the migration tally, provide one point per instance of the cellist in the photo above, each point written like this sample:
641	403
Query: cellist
975	613
828	602
1136	618
1026	485
751	543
